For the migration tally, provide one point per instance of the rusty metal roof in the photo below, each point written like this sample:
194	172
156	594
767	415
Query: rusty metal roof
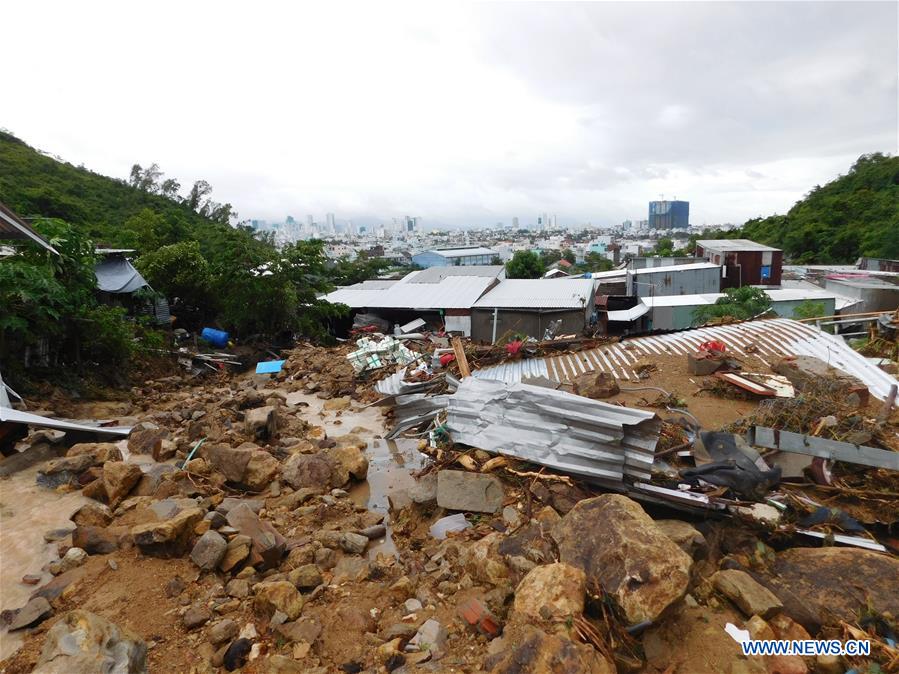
771	340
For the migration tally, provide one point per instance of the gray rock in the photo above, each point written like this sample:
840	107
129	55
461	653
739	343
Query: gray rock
306	577
749	596
35	611
196	616
431	637
374	532
238	588
424	491
73	558
95	540
222	631
83	643
216	519
474	492
353	543
209	550
228	504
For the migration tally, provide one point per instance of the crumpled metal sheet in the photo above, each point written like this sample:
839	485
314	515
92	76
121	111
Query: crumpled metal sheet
395	385
554	428
414	409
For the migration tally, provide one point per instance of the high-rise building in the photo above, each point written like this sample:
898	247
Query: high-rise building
310	221
515	222
330	223
669	214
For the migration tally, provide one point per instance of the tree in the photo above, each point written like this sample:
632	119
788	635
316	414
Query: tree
550	257
568	255
200	190
664	247
169	188
594	262
179	271
525	264
738	304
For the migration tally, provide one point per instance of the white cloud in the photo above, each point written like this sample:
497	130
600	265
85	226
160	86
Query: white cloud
464	114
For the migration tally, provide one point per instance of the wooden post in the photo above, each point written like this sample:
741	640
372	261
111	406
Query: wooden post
464	370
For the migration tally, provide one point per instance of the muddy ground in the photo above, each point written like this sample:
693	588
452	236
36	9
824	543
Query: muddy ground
558	578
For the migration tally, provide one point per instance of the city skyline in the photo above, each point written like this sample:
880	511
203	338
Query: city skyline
494	132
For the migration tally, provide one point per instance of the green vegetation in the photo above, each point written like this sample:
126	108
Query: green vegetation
213	273
737	303
525	264
855	215
50	306
809	309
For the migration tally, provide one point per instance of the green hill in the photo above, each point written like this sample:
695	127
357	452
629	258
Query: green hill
855	215
111	212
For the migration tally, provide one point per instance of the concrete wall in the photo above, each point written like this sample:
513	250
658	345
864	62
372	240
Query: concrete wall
530	322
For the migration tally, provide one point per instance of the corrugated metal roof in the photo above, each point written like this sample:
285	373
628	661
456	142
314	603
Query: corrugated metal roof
772	338
453	292
673	268
733	245
13	227
461	252
575	293
437	274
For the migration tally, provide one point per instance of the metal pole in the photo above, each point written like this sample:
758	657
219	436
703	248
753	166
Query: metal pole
495	314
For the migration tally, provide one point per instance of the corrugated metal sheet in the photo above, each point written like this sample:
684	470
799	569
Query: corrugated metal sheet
453	292
575	293
553	428
13	227
773	339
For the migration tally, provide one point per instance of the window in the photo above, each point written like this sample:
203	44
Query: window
766	272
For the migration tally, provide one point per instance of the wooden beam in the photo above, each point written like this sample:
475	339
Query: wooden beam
822	447
464	370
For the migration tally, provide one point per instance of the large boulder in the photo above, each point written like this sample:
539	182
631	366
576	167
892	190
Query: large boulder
229	461
749	596
268	545
348	461
684	534
119	479
92	514
476	492
209	550
541	653
169	538
84	643
693	641
307	470
820	586
95	540
100	451
262	469
621	550
553	593
261	422
146	440
278	595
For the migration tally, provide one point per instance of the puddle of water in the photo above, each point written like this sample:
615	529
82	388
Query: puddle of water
390	467
311	408
27	511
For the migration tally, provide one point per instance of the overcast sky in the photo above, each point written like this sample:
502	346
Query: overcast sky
461	114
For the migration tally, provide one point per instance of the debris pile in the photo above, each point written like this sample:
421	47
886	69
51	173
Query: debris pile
281	521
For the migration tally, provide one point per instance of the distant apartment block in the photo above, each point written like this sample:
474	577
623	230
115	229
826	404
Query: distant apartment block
669	214
455	257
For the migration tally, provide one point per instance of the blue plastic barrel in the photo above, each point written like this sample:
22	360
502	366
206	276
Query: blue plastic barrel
218	338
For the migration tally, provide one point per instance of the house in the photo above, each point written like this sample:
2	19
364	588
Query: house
530	306
440	295
119	283
873	292
682	279
656	261
745	262
455	257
